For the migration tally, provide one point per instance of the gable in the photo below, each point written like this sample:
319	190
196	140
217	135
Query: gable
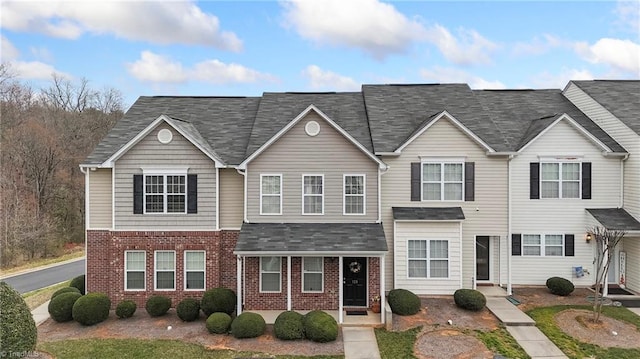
563	133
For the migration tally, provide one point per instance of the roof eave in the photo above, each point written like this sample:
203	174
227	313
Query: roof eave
310	253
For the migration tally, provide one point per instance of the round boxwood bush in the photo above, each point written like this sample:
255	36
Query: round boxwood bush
65	290
403	302
91	309
126	309
61	305
157	305
188	309
218	300
288	326
218	323
248	325
320	327
18	333
78	282
560	286
469	299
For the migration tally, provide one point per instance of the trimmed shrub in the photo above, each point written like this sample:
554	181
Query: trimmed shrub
91	309
218	300
320	327
65	290
18	333
403	302
218	323
158	305
126	309
288	326
61	306
188	309
248	325
469	299
78	282
560	286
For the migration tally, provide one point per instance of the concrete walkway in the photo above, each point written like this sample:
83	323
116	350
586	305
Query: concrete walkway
41	313
360	343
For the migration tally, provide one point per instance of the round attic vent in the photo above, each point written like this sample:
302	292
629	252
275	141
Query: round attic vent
312	128
165	136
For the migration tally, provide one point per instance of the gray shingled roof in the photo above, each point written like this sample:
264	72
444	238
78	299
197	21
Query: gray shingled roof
311	237
428	213
620	97
522	114
396	111
615	218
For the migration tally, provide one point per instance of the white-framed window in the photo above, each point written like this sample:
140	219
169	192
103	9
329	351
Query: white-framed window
547	245
270	194
165	193
312	274
428	258
442	181
270	274
135	269
194	270
165	270
354	198
312	194
560	179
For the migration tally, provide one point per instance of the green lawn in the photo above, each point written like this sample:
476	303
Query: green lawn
37	297
576	349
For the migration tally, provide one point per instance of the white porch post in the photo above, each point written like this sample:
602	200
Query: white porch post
340	290
382	289
288	282
239	284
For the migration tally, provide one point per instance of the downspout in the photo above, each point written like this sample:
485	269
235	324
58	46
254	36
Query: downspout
86	218
244	174
239	283
217	199
509	288
621	204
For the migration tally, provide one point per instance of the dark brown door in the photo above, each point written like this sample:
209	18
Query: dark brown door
482	257
355	281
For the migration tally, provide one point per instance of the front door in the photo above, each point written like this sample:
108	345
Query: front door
355	281
482	258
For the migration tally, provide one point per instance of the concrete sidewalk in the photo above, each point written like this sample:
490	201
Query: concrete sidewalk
41	313
360	343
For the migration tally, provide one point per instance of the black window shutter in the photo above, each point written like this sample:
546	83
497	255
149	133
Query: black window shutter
415	182
569	245
138	194
534	180
586	180
516	244
469	181
192	193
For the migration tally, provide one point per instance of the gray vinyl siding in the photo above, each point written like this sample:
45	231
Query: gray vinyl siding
329	154
231	198
487	215
100	199
149	152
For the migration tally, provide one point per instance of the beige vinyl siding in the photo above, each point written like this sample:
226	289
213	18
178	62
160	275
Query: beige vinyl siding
487	215
631	245
623	135
100	198
560	216
296	154
406	231
149	152
231	198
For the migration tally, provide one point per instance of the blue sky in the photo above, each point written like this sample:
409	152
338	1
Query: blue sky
246	48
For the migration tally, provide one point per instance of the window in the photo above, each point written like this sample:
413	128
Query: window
531	244
428	258
548	245
312	274
354	194
194	264
165	267
560	180
553	245
270	268
135	264
312	194
270	194
442	181
165	194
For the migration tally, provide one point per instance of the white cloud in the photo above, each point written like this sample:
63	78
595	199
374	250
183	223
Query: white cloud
620	54
323	79
452	75
468	48
34	70
628	13
538	45
560	80
166	22
161	69
9	52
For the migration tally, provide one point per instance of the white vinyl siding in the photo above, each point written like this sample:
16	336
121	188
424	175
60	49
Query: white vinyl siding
165	270
270	194
312	194
135	264
100	199
312	274
355	196
270	274
194	270
231	198
442	181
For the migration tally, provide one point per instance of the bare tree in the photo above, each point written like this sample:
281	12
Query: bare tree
606	241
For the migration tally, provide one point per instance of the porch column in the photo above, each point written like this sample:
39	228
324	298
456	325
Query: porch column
239	284
288	282
340	290
382	289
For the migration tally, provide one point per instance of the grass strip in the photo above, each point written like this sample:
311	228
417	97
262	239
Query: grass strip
40	296
500	341
393	345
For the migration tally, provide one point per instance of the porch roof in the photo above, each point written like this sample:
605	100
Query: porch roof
428	213
615	218
311	239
